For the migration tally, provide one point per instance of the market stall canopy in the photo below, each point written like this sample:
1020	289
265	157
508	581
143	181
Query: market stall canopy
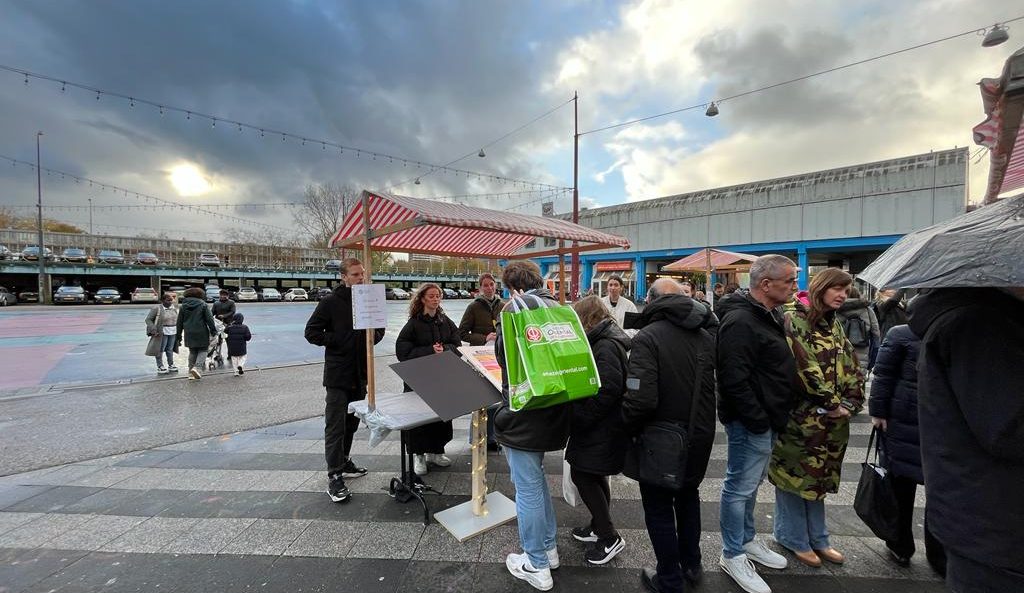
416	225
981	248
720	260
1001	132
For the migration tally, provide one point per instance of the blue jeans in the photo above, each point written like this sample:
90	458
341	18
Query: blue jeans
746	467
800	523
534	511
166	348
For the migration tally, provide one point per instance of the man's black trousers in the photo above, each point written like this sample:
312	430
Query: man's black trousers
673	524
339	427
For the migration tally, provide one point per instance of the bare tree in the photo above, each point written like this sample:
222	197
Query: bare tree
324	206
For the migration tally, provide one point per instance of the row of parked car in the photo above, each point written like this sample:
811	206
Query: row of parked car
76	255
77	295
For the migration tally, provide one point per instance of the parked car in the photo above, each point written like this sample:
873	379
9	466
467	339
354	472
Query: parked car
7	297
463	293
28	296
107	295
396	294
319	293
209	259
247	293
109	256
269	294
5	253
70	295
296	294
449	293
212	293
31	253
74	255
333	264
145	258
145	295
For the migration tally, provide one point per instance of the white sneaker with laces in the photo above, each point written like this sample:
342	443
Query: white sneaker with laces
742	570
521	568
553	561
439	459
419	464
758	552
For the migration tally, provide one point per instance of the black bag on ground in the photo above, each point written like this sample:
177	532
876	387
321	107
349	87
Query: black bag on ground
875	502
657	456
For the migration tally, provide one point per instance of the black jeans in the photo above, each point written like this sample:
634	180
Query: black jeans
964	575
673	524
905	490
339	427
597	496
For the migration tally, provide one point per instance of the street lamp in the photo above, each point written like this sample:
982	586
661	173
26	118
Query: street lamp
42	250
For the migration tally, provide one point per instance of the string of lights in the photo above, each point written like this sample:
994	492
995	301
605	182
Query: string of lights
184	233
266	131
714	105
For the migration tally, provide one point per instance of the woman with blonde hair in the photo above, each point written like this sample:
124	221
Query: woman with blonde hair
808	457
428	331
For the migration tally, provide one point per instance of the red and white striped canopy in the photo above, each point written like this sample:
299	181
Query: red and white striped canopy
1002	132
415	225
720	260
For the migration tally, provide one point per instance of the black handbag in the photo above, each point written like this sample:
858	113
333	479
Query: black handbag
657	456
875	502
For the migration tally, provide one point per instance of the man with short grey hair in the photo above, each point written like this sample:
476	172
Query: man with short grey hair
756	370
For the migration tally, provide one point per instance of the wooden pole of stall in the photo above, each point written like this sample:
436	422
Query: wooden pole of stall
478	434
561	272
367	278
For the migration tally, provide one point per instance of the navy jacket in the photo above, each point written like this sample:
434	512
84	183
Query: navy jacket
894	398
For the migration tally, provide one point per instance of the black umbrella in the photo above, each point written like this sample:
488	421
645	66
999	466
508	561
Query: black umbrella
981	248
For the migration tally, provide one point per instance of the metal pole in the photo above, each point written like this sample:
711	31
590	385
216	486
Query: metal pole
574	290
90	216
42	250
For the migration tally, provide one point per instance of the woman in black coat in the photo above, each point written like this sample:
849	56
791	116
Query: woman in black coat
597	439
428	331
893	409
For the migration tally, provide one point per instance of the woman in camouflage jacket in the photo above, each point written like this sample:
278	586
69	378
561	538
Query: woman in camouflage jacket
808	457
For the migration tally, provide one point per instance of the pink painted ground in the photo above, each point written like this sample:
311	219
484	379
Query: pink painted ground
25	366
32	326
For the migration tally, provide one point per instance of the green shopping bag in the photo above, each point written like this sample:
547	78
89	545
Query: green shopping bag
548	358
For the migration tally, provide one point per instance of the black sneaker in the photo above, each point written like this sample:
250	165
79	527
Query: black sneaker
602	551
584	534
694	575
351	470
899	559
649	579
337	489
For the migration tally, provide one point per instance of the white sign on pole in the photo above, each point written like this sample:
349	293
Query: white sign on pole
369	306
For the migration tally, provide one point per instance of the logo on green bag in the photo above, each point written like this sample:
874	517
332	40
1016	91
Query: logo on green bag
550	332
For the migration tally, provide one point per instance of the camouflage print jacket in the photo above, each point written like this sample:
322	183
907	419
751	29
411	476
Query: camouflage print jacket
808	457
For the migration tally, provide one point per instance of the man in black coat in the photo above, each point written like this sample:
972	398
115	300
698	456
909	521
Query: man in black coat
224	308
756	373
675	340
330	326
971	413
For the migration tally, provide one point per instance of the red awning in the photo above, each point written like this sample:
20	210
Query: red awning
415	225
720	260
613	266
1001	132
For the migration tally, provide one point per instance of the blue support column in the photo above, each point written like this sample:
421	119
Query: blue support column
801	255
640	270
587	267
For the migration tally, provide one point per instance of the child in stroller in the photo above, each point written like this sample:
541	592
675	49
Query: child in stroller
214	352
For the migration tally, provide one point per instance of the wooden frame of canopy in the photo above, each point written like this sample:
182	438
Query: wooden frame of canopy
388	222
709	260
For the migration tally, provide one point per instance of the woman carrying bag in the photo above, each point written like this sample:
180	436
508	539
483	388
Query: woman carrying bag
161	327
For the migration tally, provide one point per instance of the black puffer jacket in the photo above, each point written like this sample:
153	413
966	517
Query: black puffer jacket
756	368
890	312
597	439
894	398
546	429
330	326
971	411
237	335
674	331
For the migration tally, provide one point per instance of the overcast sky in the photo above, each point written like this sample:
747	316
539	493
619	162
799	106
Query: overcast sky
436	80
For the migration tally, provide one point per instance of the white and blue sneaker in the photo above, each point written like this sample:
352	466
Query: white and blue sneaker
521	568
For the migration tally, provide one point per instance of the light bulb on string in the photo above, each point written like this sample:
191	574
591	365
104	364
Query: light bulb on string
161	110
131	102
63	87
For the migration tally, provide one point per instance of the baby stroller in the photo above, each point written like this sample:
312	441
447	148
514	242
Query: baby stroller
214	351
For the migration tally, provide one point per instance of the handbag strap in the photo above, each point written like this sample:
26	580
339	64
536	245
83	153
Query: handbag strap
871	446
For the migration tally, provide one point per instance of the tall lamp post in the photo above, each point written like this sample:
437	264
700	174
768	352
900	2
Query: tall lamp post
42	250
574	282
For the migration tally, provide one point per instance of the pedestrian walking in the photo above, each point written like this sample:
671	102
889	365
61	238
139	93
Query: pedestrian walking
597	439
479	327
893	408
860	326
617	304
237	335
808	458
330	326
525	436
162	329
890	310
224	308
428	331
672	378
756	372
972	431
195	324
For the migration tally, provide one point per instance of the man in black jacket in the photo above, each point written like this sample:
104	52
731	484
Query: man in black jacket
330	326
756	370
224	308
971	414
675	340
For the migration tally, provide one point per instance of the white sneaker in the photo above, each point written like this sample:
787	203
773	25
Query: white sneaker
520	567
553	561
742	570
194	373
758	552
439	459
419	464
